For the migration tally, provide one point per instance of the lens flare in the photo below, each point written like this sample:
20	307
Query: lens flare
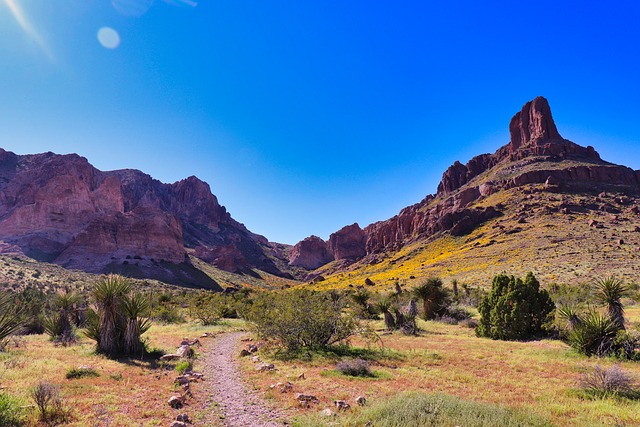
26	26
108	37
132	8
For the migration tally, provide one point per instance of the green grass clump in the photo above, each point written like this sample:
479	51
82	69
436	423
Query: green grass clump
10	411
81	372
182	367
413	409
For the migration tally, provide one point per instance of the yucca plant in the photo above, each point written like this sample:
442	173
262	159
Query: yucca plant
11	319
609	292
59	324
135	308
433	297
569	316
384	306
119	320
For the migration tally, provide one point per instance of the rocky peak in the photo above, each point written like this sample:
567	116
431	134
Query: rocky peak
310	253
348	243
533	125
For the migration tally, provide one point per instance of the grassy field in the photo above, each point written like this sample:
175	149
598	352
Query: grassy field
537	378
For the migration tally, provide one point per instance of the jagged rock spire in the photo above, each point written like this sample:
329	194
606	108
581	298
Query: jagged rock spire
533	125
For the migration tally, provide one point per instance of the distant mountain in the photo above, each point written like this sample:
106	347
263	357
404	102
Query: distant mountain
563	178
60	209
540	203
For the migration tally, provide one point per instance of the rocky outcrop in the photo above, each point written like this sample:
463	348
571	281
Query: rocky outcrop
310	253
534	139
59	208
348	243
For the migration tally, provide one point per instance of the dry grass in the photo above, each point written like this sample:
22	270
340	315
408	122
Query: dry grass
126	392
539	377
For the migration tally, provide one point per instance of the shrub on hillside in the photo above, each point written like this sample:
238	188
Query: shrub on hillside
514	309
301	318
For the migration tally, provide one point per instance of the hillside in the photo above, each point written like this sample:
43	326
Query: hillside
540	203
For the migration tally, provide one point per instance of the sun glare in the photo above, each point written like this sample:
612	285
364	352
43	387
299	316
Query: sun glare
26	26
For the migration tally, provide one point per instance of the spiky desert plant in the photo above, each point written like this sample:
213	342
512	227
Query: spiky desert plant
11	319
384	306
108	295
135	308
433	297
595	335
609	292
569	316
59	324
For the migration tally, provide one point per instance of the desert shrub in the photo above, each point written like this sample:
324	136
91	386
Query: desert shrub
434	410
514	309
11	414
362	308
11	319
167	314
209	308
354	368
81	372
603	382
301	319
33	301
454	314
119	320
47	399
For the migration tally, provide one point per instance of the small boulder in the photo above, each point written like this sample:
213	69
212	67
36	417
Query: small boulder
369	282
175	402
183	417
341	405
265	367
361	400
252	348
327	413
244	353
178	424
184	350
255	359
169	357
593	223
306	397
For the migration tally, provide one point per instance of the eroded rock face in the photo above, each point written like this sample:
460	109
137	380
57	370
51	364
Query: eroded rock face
348	243
310	253
59	208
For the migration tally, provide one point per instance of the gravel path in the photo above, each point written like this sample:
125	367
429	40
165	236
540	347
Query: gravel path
240	406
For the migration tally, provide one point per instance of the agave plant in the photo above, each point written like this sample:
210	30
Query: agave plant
609	292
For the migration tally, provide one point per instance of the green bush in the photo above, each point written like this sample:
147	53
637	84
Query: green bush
355	368
10	411
301	319
81	372
183	367
514	310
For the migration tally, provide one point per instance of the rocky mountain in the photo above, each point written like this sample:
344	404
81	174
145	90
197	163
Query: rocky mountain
60	209
536	155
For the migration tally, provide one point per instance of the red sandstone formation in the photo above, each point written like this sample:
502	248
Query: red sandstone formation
310	253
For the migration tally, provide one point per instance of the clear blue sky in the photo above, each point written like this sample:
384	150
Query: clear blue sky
305	116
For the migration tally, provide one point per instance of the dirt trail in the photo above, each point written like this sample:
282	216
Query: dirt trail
240	406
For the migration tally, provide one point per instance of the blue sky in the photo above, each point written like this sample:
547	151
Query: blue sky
308	116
